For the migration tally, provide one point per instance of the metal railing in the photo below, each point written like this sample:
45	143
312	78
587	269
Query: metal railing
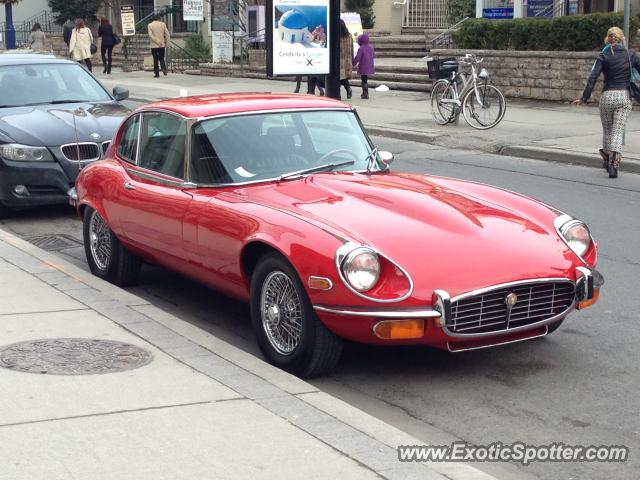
248	42
426	13
178	59
445	40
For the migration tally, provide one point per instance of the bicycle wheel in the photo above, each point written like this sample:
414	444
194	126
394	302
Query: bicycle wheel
485	109
443	113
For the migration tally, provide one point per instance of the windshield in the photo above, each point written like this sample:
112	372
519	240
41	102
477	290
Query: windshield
273	145
48	83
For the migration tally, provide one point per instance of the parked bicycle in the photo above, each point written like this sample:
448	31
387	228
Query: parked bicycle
483	105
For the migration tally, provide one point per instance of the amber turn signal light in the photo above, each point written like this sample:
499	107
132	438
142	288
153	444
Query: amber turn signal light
320	283
591	301
399	329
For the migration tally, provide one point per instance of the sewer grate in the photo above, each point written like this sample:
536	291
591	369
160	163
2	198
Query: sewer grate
73	356
54	242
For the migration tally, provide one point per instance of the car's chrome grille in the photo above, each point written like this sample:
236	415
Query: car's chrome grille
81	151
488	312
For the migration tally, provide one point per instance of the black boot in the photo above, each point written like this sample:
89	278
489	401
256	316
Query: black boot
605	159
349	91
109	68
613	165
105	68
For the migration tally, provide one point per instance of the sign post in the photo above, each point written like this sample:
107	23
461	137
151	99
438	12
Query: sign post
193	10
128	20
299	36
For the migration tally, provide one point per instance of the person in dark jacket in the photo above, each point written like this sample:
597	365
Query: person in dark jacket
616	62
67	30
364	61
105	32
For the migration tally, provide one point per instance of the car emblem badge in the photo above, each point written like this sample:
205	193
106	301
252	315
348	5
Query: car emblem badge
95	136
510	300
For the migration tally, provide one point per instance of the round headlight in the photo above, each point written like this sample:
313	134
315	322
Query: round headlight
577	236
361	268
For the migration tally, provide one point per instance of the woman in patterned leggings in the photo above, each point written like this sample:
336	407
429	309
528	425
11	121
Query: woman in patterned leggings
615	61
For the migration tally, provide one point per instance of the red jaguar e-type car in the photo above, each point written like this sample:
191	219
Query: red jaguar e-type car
283	201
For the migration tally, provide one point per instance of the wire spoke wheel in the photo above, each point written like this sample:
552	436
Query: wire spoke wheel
443	112
100	241
281	311
485	108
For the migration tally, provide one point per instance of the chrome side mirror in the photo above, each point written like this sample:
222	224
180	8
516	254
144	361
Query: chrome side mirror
386	157
120	93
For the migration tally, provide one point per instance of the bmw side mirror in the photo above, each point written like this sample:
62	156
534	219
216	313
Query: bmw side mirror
120	93
386	157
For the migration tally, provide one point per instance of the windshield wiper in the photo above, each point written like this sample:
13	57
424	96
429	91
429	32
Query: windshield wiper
319	168
371	159
55	102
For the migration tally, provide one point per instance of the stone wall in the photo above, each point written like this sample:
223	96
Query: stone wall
535	75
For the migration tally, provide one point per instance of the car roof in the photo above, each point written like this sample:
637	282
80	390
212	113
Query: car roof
230	103
30	59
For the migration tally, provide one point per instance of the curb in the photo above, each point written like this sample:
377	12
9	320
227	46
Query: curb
564	156
345	428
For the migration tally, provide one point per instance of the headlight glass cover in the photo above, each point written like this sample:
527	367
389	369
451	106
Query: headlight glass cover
361	268
25	153
577	236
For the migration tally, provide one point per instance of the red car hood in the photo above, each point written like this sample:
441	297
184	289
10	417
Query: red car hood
446	233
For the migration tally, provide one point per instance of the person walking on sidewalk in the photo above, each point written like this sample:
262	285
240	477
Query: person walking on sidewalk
616	62
107	41
67	30
365	62
158	39
80	43
346	57
37	38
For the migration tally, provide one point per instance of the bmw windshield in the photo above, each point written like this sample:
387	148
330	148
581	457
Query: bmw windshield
39	84
246	148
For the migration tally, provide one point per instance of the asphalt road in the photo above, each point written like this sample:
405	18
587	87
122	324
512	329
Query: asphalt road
580	386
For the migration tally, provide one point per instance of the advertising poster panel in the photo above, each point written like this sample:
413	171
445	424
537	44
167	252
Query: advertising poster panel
128	19
299	37
193	10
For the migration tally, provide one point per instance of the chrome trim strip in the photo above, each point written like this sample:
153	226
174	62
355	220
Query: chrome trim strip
346	108
344	250
481	291
499	343
442	303
151	176
98	147
530	326
416	313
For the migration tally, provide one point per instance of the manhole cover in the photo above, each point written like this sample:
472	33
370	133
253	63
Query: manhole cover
73	356
53	243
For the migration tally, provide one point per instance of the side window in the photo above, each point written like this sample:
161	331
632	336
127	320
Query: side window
162	144
128	147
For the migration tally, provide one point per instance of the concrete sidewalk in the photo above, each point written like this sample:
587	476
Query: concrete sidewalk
185	405
546	131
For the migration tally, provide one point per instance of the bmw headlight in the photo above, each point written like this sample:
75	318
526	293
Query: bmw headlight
25	153
575	233
361	269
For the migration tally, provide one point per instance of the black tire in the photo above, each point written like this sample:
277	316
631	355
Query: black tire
317	350
443	113
121	267
554	326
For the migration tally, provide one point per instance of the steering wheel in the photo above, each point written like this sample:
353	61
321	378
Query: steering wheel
337	150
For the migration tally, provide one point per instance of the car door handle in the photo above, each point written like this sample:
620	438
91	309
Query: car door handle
129	186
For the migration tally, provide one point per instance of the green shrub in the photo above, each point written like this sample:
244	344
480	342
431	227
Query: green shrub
365	9
196	47
459	9
570	33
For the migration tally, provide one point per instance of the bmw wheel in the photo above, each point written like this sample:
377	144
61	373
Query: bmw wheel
106	256
289	333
